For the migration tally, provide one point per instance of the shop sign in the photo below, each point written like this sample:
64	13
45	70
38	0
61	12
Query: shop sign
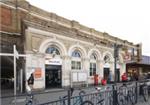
53	61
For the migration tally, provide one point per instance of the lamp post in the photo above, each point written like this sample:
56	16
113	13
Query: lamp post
116	57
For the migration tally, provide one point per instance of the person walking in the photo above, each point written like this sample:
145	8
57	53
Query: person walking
31	81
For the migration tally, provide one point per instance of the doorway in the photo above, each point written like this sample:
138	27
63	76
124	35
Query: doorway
7	73
106	73
53	76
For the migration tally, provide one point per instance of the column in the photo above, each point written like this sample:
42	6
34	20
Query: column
86	67
66	71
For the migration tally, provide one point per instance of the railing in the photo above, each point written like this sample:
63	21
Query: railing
129	93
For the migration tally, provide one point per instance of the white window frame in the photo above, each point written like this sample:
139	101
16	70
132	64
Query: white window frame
76	60
94	62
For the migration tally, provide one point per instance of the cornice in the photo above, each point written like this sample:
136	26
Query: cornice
101	38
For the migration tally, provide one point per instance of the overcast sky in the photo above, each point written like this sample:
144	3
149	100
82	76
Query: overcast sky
126	19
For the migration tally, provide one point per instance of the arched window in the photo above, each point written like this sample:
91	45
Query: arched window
93	59
76	60
106	59
52	50
76	53
93	56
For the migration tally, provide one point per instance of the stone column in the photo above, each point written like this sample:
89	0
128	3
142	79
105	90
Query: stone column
34	62
66	71
99	69
86	66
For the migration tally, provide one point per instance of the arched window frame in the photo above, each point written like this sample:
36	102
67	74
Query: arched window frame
76	63
54	51
93	64
106	58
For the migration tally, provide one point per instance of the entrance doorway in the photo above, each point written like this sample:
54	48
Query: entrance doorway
53	76
7	73
106	73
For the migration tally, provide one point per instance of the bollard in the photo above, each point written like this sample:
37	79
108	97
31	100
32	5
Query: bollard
136	92
114	95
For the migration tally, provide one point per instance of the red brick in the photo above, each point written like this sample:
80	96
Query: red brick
6	16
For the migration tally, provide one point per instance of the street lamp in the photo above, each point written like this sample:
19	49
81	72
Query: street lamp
116	57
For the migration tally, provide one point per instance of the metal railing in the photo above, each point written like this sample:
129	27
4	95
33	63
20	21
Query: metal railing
129	93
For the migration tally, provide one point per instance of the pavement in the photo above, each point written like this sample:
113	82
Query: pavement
49	95
42	96
142	102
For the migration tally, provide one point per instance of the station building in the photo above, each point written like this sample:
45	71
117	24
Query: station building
60	52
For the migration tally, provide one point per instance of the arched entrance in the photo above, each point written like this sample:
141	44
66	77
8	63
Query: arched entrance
53	67
53	50
106	68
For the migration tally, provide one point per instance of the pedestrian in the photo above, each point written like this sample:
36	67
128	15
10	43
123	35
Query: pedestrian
31	81
124	77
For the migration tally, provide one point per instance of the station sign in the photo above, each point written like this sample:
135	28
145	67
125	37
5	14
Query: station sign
53	61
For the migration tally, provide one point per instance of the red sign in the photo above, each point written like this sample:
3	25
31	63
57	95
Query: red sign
38	73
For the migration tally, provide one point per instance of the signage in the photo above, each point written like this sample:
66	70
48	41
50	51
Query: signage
53	61
106	65
37	73
118	66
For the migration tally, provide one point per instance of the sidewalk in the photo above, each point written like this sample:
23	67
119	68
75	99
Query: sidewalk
141	102
52	94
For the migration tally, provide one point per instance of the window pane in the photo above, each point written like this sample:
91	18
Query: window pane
73	65
76	65
80	65
106	58
94	65
76	53
90	73
93	56
52	50
92	69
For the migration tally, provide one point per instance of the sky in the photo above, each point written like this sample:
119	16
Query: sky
126	19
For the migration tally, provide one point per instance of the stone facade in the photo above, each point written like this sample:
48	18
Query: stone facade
36	30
